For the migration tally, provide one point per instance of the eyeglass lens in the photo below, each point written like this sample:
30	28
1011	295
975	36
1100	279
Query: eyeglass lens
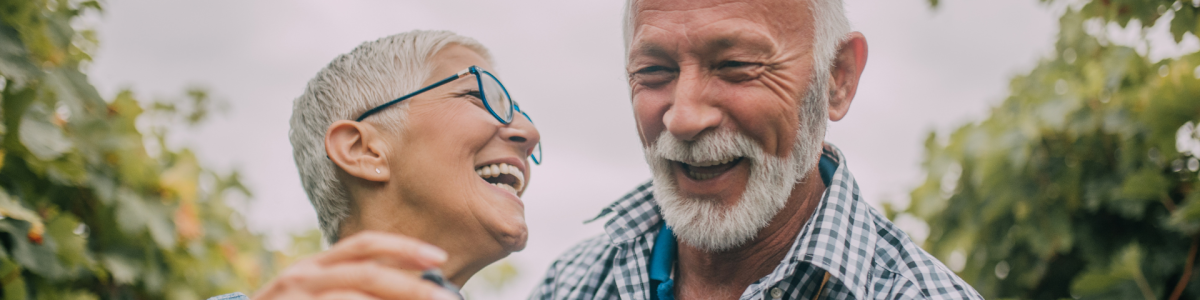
496	96
503	106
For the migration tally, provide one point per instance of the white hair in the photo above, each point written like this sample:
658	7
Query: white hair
829	30
373	73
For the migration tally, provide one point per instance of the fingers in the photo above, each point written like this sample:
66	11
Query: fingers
368	265
373	279
346	295
389	249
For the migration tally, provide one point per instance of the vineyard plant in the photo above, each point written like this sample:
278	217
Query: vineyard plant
93	203
1082	183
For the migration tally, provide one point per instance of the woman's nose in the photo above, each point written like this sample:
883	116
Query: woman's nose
521	133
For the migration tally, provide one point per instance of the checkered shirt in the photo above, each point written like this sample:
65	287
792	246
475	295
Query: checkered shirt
866	256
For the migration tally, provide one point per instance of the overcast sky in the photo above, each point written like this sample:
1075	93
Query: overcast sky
927	70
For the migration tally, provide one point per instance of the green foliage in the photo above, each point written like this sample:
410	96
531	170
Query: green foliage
86	212
1083	182
1146	11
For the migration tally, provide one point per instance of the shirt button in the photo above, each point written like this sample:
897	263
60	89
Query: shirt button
776	293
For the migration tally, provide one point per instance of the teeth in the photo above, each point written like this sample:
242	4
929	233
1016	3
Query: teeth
713	163
506	187
494	170
702	176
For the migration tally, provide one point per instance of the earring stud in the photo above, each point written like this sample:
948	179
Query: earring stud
377	171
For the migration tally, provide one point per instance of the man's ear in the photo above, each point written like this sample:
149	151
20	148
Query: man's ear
358	149
847	69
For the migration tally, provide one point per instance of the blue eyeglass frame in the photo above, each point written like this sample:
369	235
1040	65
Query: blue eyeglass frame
473	70
478	72
537	149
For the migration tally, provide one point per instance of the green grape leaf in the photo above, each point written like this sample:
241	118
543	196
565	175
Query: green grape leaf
45	140
122	269
1184	22
14	59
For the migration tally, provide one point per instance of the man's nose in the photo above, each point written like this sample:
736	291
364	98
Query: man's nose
693	108
521	133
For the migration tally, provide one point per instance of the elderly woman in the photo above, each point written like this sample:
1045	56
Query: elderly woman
407	144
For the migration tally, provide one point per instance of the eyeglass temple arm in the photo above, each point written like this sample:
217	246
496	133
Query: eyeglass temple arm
458	75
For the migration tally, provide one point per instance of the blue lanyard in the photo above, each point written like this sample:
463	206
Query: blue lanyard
662	256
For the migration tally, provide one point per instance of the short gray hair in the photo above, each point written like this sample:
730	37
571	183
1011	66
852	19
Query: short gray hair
828	33
371	74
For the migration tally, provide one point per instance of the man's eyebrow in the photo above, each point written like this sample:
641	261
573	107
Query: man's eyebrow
649	49
752	43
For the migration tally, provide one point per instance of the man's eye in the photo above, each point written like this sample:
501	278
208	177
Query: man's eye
651	69
738	71
735	64
653	75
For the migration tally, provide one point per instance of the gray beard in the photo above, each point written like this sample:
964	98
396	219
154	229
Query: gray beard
712	226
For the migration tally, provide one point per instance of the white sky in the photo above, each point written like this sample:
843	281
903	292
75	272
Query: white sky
928	70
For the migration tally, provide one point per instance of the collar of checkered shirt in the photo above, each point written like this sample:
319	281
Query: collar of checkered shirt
839	237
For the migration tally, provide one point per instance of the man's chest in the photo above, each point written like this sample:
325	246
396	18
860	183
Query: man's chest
626	279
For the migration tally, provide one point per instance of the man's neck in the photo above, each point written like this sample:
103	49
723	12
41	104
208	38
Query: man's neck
724	275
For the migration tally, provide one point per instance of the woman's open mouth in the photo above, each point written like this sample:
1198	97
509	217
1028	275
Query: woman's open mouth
505	176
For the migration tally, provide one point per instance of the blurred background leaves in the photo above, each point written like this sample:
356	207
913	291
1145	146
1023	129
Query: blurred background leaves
92	203
1083	183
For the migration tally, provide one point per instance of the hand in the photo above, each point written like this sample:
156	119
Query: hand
365	266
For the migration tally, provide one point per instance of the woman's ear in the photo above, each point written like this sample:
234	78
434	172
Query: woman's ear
358	149
847	70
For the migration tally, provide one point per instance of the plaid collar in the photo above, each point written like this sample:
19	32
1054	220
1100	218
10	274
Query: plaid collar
839	236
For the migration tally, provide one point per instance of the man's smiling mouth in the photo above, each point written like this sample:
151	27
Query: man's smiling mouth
708	169
502	175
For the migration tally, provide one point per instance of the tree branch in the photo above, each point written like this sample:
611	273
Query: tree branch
1142	284
1168	202
1187	270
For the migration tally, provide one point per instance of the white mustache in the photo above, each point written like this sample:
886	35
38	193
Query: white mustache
716	146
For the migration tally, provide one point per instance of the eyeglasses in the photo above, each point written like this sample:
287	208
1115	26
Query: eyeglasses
537	149
495	98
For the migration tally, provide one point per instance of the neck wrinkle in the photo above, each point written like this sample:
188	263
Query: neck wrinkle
704	273
465	256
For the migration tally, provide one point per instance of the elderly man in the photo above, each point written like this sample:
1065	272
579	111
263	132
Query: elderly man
746	202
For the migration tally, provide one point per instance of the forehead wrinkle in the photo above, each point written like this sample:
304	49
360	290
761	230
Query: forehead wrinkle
753	23
697	6
679	17
666	41
642	47
744	38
